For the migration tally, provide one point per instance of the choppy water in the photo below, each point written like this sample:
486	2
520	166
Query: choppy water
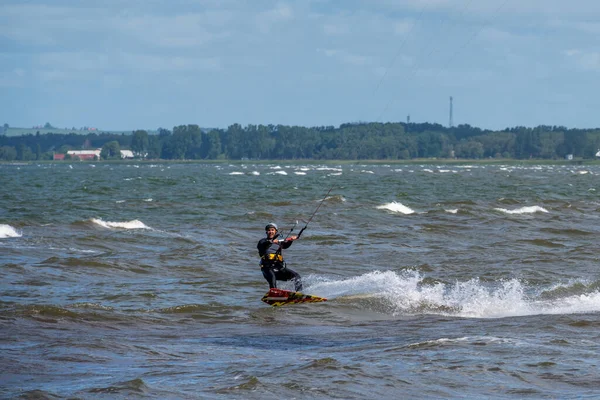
141	280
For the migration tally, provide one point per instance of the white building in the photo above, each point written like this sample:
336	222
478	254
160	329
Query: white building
126	154
95	154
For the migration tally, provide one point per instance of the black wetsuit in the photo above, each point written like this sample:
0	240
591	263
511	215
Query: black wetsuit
272	265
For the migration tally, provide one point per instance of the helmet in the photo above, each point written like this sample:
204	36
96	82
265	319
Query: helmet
270	225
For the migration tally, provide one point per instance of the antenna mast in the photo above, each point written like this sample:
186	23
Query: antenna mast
451	122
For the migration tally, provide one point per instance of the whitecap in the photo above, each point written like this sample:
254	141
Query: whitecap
396	207
328	169
523	210
134	224
7	231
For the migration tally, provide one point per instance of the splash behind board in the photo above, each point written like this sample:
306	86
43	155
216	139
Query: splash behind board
280	297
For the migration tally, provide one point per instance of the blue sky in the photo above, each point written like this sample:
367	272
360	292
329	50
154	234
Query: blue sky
144	64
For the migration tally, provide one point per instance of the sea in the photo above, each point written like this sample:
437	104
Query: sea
142	280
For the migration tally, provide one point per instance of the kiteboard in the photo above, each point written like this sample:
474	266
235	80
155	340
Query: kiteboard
281	297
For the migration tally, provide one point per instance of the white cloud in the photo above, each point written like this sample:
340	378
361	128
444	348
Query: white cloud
494	34
178	31
266	20
153	63
403	27
487	8
336	29
346	57
15	78
586	60
78	61
588	27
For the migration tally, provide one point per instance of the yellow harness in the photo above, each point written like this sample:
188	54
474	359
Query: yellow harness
273	257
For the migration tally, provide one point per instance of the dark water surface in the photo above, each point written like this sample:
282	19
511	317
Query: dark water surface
142	280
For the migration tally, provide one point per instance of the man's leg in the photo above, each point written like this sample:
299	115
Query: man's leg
269	275
290	275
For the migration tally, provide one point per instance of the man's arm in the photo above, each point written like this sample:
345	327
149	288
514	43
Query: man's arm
288	242
262	246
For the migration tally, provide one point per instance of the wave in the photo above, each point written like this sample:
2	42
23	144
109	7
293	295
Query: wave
53	312
407	293
134	224
135	386
480	340
396	207
7	231
523	210
336	198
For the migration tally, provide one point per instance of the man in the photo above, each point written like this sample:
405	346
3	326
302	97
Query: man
271	261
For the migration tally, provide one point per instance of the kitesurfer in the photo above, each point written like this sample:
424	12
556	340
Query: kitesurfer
272	265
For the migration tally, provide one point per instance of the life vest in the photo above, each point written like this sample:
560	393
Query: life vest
272	255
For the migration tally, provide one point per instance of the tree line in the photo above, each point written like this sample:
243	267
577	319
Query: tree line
351	141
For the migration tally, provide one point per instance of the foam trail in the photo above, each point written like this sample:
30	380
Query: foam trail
404	294
7	231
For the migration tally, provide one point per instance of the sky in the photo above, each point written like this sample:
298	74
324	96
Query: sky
145	64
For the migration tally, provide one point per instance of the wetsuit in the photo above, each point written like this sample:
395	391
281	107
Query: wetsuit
272	265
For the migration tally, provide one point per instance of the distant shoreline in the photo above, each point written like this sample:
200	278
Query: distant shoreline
419	161
12	132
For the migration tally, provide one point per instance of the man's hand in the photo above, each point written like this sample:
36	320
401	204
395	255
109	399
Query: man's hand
289	239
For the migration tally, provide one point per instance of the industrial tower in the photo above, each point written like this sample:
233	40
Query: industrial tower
451	122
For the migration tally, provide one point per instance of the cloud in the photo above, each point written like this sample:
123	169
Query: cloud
346	57
177	31
152	63
403	27
336	29
237	49
116	66
51	26
13	79
525	8
266	20
78	27
75	61
585	60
